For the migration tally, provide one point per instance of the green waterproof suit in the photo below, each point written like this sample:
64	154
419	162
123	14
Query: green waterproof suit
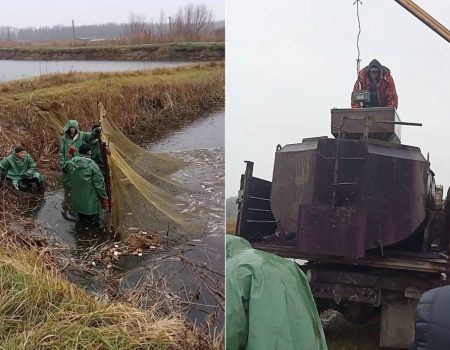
15	168
96	153
67	141
269	304
87	185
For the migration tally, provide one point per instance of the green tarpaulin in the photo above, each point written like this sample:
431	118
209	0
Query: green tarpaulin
269	304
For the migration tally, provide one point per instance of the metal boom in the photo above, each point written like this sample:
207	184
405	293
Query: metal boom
424	17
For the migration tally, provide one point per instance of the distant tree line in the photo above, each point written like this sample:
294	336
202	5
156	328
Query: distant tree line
190	23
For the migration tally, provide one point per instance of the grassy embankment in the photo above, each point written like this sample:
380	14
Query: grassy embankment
142	103
206	51
39	309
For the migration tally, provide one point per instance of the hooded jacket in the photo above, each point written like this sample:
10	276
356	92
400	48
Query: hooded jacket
67	141
385	88
432	320
269	304
14	168
87	185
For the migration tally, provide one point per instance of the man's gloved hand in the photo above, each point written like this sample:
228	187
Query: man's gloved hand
97	130
104	203
72	151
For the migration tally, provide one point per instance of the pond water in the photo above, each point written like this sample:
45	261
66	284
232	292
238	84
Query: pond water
204	133
15	69
195	266
182	267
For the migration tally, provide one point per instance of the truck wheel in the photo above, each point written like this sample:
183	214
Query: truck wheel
359	313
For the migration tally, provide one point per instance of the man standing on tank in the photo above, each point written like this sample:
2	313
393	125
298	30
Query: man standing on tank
378	81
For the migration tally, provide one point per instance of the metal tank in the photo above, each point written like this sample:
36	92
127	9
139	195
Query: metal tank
359	191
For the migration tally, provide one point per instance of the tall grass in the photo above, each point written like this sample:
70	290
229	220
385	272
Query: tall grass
144	104
40	309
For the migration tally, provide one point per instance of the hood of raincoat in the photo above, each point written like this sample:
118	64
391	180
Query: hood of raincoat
236	245
376	64
69	124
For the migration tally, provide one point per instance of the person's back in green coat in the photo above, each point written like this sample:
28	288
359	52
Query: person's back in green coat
72	137
87	185
21	170
269	304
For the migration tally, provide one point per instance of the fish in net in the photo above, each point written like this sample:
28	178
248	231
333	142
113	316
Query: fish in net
143	195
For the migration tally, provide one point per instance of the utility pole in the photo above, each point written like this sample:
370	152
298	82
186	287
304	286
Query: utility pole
170	24
73	29
9	38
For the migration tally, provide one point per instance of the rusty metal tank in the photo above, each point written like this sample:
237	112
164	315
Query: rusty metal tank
359	191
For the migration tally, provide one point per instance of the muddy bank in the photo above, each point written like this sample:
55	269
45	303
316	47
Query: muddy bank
149	52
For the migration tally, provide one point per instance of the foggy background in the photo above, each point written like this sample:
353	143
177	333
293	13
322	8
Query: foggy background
289	62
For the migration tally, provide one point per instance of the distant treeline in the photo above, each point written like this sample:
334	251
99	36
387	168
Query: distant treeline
190	23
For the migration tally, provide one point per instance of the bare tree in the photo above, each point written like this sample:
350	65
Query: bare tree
137	26
162	20
190	23
193	19
202	19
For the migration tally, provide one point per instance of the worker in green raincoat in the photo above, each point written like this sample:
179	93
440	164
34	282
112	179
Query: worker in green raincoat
21	170
72	139
87	185
269	304
96	150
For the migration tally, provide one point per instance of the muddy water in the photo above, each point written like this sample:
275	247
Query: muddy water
12	70
193	271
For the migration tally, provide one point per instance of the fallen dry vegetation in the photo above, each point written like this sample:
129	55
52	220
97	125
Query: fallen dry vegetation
40	309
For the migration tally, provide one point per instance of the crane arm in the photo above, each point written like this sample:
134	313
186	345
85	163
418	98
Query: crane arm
424	17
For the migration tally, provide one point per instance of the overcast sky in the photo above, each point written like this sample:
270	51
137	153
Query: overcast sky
289	62
33	13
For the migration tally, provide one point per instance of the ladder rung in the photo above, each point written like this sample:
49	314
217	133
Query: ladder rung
260	199
344	183
271	221
344	158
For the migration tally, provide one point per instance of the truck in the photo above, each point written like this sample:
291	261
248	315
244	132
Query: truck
361	211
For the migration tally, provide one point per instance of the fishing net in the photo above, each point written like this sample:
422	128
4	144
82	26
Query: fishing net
143	195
